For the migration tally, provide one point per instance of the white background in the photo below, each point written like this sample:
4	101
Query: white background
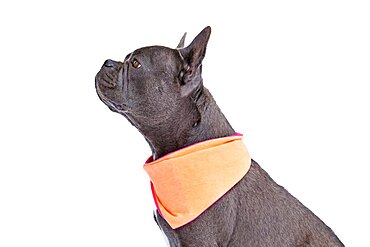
293	76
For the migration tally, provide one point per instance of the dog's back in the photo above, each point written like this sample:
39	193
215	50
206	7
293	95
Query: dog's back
255	212
160	91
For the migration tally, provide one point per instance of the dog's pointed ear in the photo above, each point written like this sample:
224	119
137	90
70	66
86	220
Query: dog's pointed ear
182	42
193	55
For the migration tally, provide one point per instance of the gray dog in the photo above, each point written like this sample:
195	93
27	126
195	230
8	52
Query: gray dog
160	91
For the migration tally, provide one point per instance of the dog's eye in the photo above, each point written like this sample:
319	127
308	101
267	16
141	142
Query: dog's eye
135	64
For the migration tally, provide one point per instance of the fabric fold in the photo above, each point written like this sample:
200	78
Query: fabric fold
188	181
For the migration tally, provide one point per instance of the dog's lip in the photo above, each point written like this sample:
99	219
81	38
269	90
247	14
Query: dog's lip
119	107
106	79
103	87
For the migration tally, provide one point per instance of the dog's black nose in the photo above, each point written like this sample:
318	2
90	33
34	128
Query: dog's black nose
109	63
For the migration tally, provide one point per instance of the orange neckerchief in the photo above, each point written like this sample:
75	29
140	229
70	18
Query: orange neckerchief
188	181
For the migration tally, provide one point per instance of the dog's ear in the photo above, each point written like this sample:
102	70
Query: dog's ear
193	55
182	42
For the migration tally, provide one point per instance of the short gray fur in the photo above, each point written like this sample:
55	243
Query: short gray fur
160	91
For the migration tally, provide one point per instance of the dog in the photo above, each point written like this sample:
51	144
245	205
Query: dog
160	91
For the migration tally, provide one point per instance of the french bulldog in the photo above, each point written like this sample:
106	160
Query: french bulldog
160	91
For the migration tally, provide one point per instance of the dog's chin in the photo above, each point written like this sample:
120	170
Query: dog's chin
115	107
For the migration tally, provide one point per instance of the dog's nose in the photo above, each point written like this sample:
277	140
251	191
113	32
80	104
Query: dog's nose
109	63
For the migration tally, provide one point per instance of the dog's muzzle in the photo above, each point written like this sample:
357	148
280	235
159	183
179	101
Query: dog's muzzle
109	84
107	77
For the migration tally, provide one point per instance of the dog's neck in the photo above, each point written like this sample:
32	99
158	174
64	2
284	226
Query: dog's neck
206	122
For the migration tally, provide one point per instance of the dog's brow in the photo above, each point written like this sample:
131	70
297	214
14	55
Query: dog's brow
128	56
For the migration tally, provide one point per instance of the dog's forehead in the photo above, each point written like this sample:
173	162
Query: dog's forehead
153	51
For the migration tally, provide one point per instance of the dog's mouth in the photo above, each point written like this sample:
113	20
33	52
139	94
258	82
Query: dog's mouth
113	106
106	78
107	90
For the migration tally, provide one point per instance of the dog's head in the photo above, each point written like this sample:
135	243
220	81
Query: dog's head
151	83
